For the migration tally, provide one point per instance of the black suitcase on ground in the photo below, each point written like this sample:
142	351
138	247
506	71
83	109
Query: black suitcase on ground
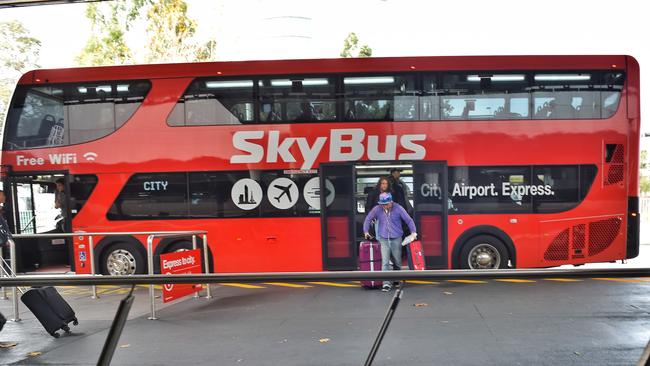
50	309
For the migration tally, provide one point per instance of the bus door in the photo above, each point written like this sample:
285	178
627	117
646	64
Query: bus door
33	211
430	211
338	216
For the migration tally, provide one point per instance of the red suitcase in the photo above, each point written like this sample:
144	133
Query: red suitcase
370	260
416	256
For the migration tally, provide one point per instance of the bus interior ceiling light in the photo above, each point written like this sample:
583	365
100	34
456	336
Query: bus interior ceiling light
562	77
229	84
123	88
82	90
369	80
477	78
305	82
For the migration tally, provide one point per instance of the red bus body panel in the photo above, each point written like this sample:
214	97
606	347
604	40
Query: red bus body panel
147	144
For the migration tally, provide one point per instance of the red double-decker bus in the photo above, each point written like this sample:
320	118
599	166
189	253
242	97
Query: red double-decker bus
508	161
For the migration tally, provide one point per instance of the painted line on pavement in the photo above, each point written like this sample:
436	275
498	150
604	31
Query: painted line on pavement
285	284
241	285
333	284
467	281
562	279
514	280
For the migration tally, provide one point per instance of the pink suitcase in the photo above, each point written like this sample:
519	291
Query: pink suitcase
370	260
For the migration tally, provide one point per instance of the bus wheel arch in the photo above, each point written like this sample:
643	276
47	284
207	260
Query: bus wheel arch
483	230
169	245
126	253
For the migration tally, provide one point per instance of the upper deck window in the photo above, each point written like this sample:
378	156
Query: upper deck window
64	114
414	96
380	98
484	96
297	99
214	102
576	95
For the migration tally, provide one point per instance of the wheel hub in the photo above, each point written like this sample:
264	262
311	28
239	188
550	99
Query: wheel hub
484	256
120	262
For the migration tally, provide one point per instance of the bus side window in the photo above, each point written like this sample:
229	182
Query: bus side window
380	98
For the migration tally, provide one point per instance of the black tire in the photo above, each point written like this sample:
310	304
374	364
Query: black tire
66	328
492	250
130	258
75	322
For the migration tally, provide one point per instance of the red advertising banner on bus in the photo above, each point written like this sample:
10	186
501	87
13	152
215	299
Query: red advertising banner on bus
185	262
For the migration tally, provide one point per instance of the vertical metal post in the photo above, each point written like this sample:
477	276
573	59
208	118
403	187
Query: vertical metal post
14	290
152	316
384	327
91	255
196	294
2	274
208	294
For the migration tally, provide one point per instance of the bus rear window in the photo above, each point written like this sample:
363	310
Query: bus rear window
65	114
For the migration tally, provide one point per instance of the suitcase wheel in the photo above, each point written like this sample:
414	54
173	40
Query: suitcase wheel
66	328
75	322
55	334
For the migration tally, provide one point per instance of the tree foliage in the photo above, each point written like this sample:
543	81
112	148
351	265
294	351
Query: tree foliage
19	52
351	47
109	21
169	33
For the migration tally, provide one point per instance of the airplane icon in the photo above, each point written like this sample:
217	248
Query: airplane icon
285	191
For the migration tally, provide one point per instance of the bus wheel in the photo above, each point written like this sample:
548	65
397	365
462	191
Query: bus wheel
484	252
122	259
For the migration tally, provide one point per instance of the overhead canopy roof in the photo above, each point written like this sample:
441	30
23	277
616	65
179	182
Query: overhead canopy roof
20	3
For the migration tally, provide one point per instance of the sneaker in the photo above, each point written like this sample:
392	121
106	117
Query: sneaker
386	288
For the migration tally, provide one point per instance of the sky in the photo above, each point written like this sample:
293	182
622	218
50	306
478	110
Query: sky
281	29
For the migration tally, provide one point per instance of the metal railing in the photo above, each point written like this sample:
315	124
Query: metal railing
157	279
91	251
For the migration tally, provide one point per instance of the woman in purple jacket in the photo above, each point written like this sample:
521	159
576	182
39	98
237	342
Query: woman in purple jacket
389	231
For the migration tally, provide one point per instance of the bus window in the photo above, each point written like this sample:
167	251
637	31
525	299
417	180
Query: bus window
152	196
297	99
62	114
429	101
214	102
609	103
563	181
81	187
576	95
380	98
484	96
498	189
567	105
37	118
211	195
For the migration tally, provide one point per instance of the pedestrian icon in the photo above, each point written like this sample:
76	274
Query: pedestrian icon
282	193
312	192
246	194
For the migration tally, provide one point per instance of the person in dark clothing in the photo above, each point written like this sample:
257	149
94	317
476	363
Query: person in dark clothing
61	202
405	191
397	188
383	186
